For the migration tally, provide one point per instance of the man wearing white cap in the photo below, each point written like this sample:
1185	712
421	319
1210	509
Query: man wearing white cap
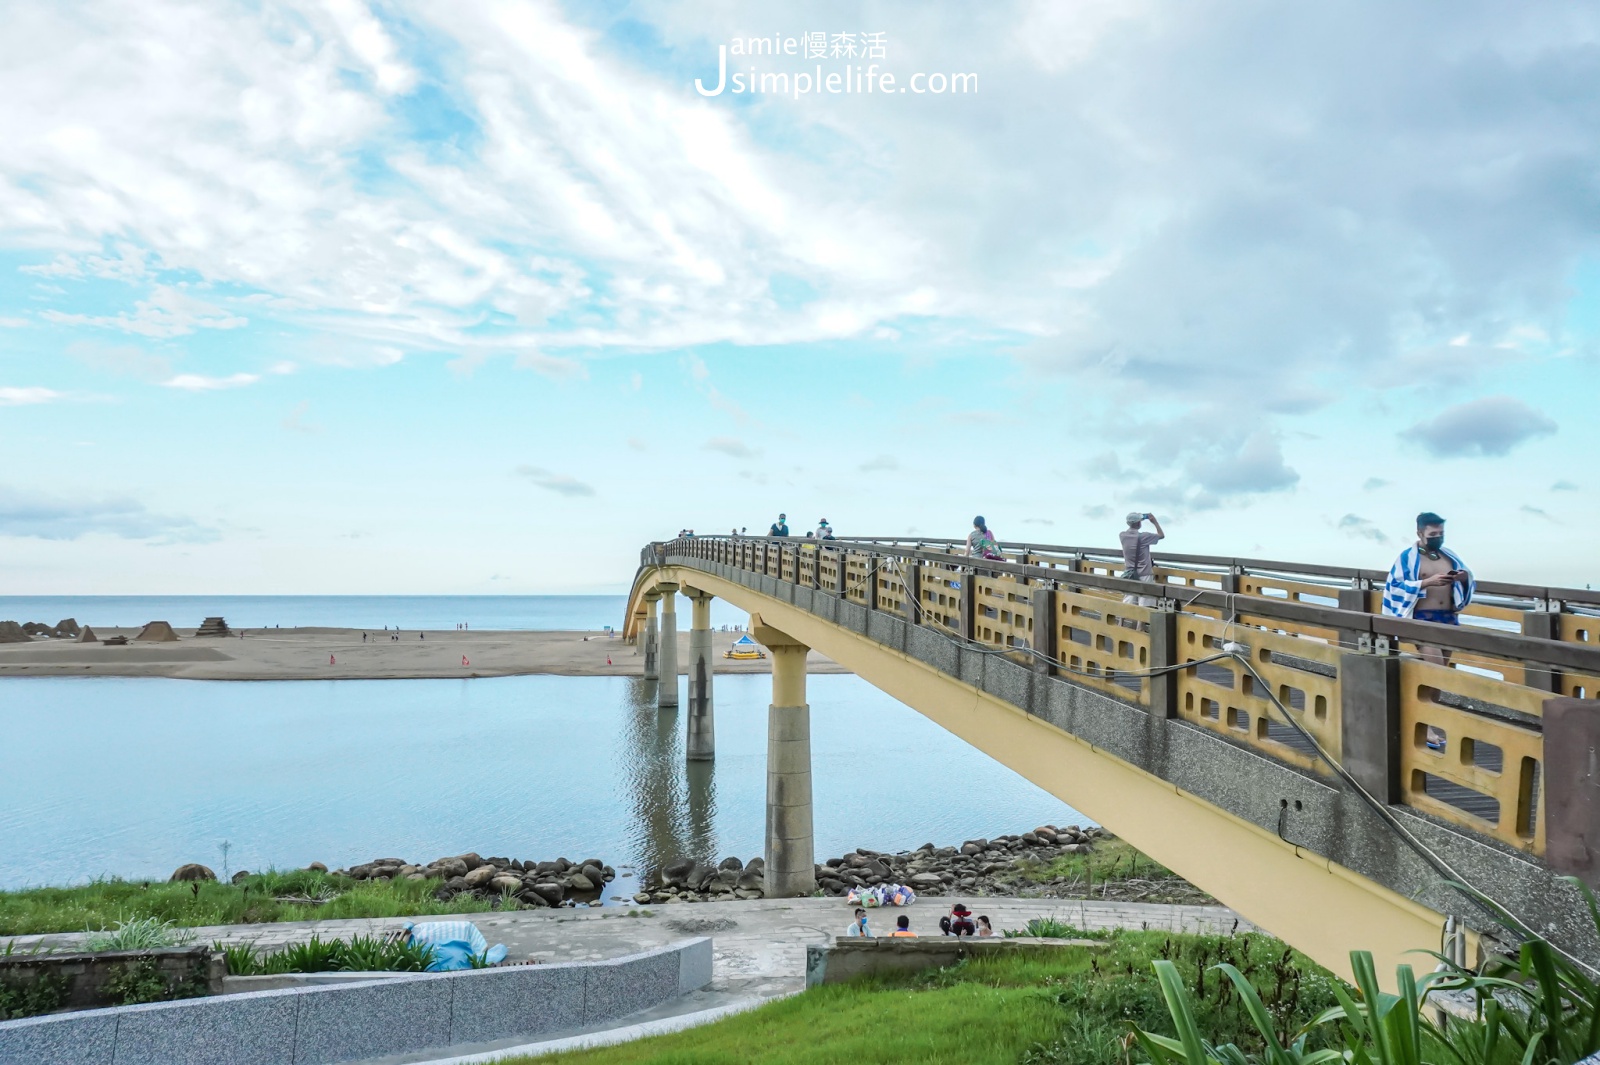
1137	564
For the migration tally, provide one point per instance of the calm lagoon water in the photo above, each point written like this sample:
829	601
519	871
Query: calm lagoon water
133	777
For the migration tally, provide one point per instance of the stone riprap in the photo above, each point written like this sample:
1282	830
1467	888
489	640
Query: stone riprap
530	882
324	1025
977	867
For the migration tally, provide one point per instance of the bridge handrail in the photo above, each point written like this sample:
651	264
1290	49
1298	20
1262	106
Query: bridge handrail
1535	593
1580	657
1485	773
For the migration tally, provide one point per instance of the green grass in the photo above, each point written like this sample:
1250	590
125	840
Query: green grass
1044	1007
1113	868
106	904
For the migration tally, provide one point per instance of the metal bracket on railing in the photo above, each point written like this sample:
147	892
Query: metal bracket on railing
1364	642
1381	646
1166	605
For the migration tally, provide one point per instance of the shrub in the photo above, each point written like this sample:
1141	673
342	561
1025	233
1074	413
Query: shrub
141	933
18	1000
359	954
1050	928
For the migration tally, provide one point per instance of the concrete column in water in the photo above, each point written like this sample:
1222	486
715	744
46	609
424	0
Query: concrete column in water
668	657
791	852
702	742
650	637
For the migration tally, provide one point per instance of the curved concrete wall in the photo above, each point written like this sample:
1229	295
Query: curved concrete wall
326	1025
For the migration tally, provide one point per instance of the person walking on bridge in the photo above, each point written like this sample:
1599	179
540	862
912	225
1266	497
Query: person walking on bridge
780	527
1137	565
1429	582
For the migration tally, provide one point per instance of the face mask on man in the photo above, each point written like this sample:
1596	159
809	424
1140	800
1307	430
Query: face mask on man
1434	542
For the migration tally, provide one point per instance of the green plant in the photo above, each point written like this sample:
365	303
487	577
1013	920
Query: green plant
1541	1009
380	954
315	955
1190	1049
1050	928
242	958
17	1000
140	933
141	980
357	954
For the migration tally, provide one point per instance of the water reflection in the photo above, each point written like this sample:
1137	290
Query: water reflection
673	801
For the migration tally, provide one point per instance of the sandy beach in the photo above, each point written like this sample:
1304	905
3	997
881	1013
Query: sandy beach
304	654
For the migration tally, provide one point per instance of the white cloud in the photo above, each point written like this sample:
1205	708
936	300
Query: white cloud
296	422
168	312
560	484
14	323
731	446
554	367
1490	426
50	517
23	397
193	382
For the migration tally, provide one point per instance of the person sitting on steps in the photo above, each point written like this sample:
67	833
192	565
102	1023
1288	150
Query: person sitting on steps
959	922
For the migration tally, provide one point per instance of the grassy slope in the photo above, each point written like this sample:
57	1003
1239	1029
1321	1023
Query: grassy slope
105	903
1039	1008
1114	869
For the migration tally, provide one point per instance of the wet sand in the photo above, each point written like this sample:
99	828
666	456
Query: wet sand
303	654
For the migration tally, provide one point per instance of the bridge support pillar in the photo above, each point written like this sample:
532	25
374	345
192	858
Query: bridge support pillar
701	744
667	691
791	852
650	638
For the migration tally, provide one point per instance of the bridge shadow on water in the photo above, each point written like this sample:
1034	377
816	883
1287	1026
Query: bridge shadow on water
674	801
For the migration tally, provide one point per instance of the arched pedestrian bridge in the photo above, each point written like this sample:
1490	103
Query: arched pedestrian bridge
1259	730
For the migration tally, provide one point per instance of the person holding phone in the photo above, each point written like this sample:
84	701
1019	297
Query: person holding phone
1136	562
1429	582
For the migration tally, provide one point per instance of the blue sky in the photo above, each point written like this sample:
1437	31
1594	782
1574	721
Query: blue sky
378	297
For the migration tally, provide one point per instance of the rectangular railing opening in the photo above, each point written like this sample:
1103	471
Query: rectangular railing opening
1528	782
1474	803
1482	754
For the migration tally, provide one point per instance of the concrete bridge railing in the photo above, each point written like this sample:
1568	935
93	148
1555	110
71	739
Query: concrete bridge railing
1494	750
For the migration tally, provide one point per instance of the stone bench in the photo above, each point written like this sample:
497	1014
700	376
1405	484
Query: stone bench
364	1019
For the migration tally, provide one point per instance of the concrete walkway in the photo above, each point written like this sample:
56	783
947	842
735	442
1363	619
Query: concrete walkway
760	943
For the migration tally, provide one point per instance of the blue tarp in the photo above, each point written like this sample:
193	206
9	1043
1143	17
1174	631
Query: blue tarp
455	944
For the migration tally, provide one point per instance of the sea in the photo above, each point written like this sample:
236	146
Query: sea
132	777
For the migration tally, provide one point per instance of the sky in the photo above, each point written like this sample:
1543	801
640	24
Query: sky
357	297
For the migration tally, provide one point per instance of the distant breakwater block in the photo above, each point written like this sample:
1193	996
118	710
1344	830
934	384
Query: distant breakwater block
361	1020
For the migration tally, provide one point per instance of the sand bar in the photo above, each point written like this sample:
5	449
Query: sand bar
303	654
